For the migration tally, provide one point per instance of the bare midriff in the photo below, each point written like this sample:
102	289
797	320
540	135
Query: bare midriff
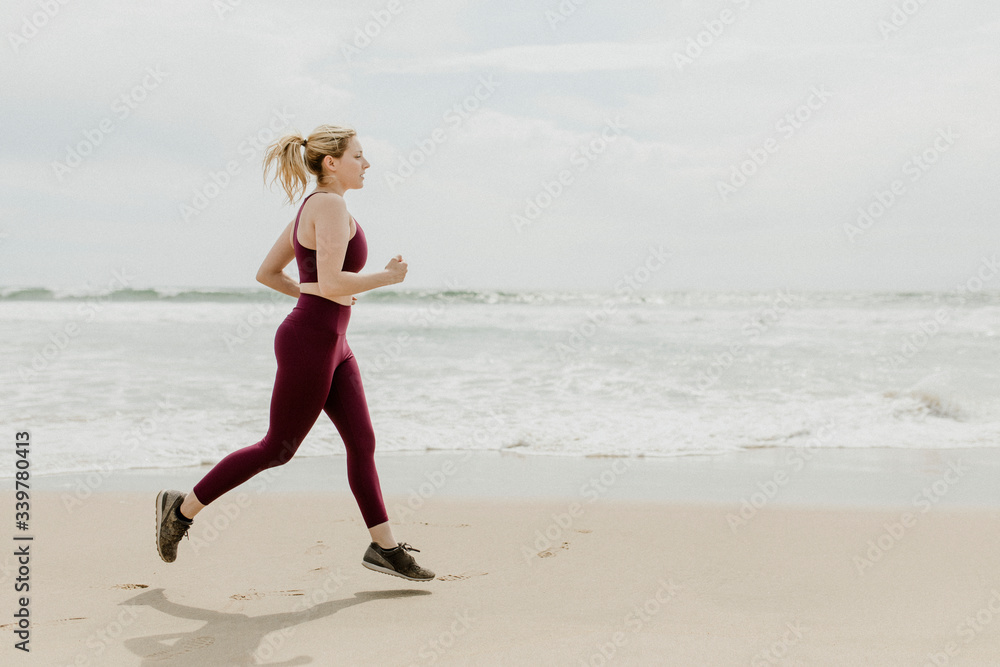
313	288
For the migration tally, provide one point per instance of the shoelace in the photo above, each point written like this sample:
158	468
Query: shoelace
407	547
187	527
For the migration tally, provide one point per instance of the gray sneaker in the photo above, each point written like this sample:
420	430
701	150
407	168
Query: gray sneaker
169	529
396	562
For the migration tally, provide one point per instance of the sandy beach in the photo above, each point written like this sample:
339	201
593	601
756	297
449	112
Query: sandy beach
668	336
271	576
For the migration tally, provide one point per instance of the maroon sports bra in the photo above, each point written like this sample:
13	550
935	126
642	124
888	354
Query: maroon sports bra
305	258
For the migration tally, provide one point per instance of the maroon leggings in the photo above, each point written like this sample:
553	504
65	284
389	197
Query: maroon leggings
316	371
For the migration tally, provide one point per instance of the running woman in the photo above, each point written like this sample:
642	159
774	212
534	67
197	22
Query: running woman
316	369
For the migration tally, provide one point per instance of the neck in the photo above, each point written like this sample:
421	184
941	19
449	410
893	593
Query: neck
331	188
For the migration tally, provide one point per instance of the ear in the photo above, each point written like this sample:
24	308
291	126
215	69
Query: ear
330	162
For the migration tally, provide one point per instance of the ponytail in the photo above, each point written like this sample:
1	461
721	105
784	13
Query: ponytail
293	168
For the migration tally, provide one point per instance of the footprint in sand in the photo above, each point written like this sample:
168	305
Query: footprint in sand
317	549
129	587
459	577
58	620
549	553
443	525
258	595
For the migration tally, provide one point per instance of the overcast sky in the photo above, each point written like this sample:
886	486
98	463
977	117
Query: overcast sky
515	145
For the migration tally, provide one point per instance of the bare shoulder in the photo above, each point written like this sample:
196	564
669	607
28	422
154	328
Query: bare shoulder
330	216
329	204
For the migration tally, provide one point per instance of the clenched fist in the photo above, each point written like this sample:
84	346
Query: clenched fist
396	269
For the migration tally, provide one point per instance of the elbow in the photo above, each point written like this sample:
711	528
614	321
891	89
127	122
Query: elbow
265	278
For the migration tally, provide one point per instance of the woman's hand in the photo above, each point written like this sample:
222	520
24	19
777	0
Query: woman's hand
396	270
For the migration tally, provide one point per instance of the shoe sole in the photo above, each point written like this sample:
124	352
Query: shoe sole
159	523
383	570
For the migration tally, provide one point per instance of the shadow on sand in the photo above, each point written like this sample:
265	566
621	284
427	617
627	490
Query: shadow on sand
230	639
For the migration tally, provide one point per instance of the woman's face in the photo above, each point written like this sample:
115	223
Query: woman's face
351	166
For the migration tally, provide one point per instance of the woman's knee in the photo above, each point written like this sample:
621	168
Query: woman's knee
361	445
278	455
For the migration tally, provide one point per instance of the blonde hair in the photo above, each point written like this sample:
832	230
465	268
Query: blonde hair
291	165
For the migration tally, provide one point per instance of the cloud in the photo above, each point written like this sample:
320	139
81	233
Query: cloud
537	58
685	131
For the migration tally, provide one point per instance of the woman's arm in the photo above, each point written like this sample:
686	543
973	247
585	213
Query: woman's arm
333	234
272	273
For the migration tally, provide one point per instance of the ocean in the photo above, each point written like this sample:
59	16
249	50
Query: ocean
165	378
